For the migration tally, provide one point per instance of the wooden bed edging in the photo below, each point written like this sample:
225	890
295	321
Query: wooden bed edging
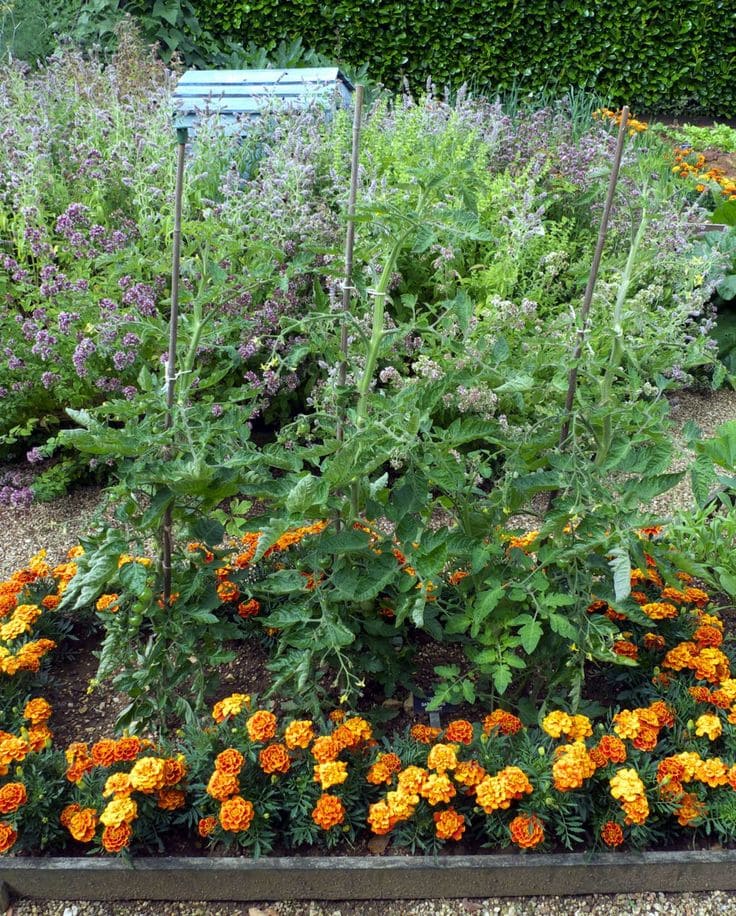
346	878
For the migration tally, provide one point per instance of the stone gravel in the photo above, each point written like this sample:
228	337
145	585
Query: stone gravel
57	527
710	904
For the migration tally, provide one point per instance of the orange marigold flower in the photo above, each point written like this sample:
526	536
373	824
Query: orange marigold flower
274	759
383	769
626	648
170	799
497	792
37	711
360	728
469	773
236	814
689	809
261	725
337	716
572	766
12	796
457	577
612	748
230	706
707	636
117	838
526	831
636	811
230	761
401	805
222	785
108	603
580	728
660	610
249	608
76	770
710	620
68	813
425	734
442	757
103	752
505	722
344	738
227	591
699	694
731	776
333	773
708	725
127	748
175	769
612	834
448	824
324	749
328	812
83	824
206	825
8	836
459	730
697	596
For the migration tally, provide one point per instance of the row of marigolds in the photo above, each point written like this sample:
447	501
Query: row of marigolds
665	763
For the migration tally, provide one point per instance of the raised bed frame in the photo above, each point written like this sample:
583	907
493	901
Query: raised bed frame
350	878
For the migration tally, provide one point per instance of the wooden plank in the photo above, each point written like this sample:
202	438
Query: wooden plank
294	75
366	878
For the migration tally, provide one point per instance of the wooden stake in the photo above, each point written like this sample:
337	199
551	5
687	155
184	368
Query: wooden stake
593	276
347	286
167	542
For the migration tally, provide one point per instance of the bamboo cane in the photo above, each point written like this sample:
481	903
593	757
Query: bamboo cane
166	533
593	276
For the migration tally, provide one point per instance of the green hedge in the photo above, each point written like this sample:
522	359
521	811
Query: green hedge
640	51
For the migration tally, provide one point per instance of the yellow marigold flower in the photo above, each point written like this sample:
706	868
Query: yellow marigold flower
119	811
333	773
401	805
660	610
380	818
712	772
708	725
469	773
557	723
360	728
411	779
117	784
626	785
108	603
222	786
148	774
437	789
230	706
627	723
299	733
580	728
442	757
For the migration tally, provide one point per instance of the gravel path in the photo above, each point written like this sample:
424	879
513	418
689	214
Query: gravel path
57	526
723	904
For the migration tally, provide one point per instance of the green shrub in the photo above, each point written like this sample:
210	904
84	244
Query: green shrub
635	52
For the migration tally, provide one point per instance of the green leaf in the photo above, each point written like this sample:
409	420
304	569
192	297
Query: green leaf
484	605
530	634
502	678
133	577
309	493
620	564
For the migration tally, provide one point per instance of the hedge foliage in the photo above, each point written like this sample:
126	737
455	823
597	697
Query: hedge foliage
639	51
